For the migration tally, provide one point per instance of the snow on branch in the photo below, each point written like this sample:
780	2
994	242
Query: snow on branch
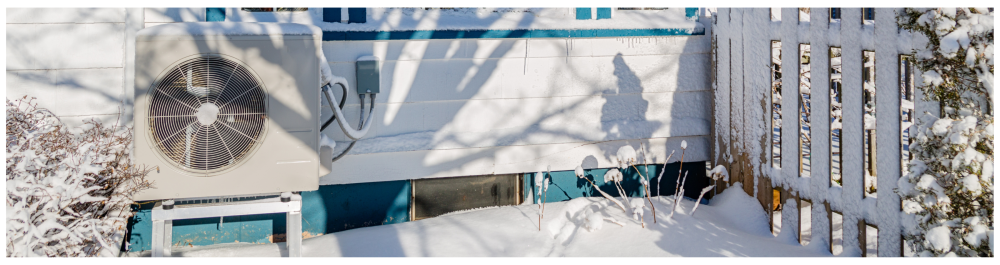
948	192
68	195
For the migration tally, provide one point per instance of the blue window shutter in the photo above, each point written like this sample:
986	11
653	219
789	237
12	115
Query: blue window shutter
603	12
331	14
356	15
582	13
215	14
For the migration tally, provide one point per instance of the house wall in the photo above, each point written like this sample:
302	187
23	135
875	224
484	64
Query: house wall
75	61
498	106
447	107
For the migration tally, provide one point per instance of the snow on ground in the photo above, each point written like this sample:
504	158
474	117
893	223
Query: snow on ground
734	224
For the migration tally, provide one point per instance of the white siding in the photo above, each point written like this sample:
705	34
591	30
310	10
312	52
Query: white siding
495	106
73	60
65	15
64	45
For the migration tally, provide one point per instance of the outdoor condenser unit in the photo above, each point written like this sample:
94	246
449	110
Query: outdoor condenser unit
226	109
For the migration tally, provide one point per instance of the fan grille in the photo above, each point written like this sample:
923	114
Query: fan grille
207	114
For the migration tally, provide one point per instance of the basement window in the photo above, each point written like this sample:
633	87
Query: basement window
437	196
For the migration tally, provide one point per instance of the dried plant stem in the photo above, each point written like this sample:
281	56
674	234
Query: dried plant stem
648	198
676	197
680	170
664	169
621	191
606	195
648	179
612	220
544	199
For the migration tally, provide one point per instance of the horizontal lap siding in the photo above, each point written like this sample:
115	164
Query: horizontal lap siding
500	159
72	60
487	97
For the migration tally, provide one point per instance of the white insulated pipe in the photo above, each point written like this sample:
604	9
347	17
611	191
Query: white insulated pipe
328	79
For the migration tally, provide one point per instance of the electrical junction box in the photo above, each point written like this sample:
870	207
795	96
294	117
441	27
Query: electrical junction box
367	74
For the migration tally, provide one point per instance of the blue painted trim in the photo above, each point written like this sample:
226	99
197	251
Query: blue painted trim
502	34
583	13
331	14
603	13
214	14
691	13
357	15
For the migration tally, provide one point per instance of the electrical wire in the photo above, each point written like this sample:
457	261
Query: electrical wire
342	101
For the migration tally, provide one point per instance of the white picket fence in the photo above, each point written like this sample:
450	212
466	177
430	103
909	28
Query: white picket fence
742	41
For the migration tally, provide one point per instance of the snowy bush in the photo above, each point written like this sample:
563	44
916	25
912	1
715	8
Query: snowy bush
68	194
948	192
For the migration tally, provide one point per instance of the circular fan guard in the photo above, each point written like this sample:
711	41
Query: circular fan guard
206	114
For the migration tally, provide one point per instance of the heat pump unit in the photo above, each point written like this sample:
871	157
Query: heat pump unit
225	109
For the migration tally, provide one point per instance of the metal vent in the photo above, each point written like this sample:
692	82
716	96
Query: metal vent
207	114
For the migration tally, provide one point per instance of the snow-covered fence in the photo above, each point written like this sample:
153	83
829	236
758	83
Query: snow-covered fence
745	109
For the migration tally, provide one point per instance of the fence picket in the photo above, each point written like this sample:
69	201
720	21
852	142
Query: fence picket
888	140
820	131
722	110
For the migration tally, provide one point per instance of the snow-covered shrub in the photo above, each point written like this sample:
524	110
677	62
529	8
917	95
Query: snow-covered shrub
68	194
948	192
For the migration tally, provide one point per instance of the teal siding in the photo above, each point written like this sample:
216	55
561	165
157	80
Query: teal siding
583	13
603	13
565	185
215	14
335	208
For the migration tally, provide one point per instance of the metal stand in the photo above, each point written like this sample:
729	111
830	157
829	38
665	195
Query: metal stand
164	212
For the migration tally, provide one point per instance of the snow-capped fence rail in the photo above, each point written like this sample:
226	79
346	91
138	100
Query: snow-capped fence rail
744	74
